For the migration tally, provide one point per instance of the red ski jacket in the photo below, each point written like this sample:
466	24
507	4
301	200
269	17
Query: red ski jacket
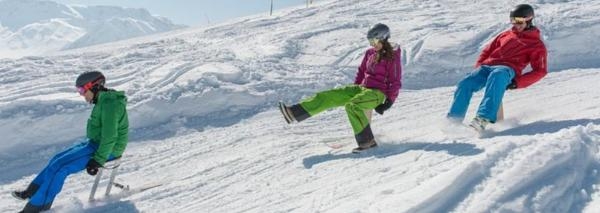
516	50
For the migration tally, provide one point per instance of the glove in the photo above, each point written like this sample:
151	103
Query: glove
512	85
384	106
92	167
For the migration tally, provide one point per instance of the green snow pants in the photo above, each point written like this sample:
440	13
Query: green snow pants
356	99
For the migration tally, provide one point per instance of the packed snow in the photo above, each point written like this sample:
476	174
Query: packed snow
204	122
40	27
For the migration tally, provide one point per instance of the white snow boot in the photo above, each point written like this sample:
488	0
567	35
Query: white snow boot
479	123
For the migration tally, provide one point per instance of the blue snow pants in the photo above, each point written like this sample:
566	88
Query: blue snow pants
52	178
495	79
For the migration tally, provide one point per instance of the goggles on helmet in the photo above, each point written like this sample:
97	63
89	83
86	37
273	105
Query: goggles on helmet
84	88
520	20
373	41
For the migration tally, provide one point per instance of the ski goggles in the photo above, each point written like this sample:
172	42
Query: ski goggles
373	41
520	20
85	88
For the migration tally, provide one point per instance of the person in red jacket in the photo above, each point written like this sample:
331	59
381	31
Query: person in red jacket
500	67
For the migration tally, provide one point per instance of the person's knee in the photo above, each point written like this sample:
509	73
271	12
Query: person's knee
63	173
54	158
349	106
53	167
319	95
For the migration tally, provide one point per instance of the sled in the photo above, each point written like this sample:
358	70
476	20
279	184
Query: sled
114	167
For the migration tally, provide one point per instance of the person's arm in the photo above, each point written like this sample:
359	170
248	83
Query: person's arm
487	51
360	75
394	77
108	131
393	83
121	143
122	132
539	66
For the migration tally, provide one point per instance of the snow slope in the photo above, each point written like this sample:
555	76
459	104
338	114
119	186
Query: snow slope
204	123
37	27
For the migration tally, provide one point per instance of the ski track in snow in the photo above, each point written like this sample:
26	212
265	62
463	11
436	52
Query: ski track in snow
204	122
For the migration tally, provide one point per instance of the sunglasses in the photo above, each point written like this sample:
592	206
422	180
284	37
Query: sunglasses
519	20
373	41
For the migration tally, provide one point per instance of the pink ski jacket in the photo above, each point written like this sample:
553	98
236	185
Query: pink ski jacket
385	76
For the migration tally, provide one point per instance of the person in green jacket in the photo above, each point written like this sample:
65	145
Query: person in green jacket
107	135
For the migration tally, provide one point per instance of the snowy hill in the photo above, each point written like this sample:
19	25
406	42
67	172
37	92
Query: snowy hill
204	122
35	27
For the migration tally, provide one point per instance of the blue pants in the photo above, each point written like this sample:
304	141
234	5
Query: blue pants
495	79
52	178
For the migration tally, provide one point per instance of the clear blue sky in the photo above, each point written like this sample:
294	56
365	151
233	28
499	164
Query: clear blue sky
196	12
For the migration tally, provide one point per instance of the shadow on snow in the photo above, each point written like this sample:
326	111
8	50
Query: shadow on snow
541	127
386	150
114	206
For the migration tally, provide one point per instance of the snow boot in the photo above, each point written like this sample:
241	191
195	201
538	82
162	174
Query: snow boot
479	123
27	193
362	147
21	195
287	114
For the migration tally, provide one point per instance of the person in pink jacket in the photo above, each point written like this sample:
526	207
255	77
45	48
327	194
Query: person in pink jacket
376	87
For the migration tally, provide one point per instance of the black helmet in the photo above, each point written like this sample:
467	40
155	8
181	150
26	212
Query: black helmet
379	31
93	77
522	10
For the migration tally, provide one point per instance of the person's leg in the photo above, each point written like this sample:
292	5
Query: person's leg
57	171
355	109
323	100
464	92
499	78
38	180
27	193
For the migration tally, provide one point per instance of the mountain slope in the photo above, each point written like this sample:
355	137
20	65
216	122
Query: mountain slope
204	122
36	27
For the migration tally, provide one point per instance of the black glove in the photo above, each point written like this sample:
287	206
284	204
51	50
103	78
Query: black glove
92	167
512	85
384	106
